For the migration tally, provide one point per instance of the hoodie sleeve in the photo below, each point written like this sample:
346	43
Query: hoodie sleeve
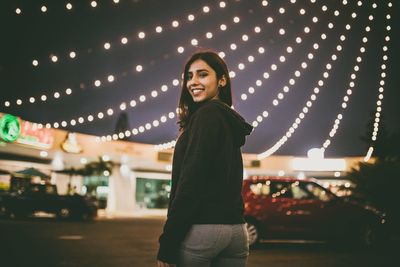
202	144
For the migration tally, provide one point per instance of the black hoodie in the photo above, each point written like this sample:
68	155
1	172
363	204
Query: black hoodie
207	175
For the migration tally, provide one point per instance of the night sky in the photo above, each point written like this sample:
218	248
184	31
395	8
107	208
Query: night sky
36	35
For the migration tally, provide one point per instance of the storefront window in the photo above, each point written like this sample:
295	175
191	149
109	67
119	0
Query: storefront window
152	193
96	186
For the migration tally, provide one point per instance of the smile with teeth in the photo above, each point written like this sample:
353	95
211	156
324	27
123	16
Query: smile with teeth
197	91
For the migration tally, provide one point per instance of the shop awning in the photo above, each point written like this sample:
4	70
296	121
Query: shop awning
30	172
71	171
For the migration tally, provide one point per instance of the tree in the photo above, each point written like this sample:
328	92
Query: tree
379	182
122	124
386	145
98	168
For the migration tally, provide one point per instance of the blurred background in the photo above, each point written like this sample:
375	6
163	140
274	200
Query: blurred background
89	91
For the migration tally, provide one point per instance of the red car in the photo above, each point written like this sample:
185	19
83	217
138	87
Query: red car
291	208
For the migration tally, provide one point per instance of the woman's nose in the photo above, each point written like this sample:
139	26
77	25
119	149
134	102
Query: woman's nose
193	81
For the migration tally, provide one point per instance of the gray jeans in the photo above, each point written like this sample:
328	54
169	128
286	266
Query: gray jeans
216	245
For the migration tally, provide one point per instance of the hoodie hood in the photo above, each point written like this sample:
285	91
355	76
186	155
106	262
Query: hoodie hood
240	127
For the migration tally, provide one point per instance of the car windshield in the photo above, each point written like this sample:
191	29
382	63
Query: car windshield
261	188
318	192
293	190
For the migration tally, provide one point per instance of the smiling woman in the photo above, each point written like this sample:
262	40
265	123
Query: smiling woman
206	77
205	224
202	82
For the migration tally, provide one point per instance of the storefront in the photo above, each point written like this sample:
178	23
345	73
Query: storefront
128	177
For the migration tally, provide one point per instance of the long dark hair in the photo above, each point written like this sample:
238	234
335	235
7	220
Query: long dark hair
186	105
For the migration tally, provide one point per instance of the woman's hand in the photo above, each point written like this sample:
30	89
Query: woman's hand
164	264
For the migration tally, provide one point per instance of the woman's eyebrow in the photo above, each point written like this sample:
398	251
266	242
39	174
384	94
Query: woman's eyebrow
200	70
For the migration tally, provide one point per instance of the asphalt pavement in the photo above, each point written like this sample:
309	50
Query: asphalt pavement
132	242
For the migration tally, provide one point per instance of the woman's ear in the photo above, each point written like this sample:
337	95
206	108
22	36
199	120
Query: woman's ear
222	81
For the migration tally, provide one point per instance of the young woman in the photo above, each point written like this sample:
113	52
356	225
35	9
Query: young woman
205	225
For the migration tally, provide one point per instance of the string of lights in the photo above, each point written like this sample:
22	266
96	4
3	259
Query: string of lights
133	103
141	129
249	60
284	58
72	54
291	130
111	78
171	115
110	111
381	89
68	6
297	73
291	81
297	122
165	146
138	36
349	91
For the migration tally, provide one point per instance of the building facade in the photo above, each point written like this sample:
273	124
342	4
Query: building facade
137	176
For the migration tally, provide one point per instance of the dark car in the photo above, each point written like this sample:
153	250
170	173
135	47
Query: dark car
34	198
290	208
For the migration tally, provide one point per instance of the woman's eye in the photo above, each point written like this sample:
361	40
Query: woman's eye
203	75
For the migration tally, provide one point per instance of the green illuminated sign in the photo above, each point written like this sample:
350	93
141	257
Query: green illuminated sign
9	128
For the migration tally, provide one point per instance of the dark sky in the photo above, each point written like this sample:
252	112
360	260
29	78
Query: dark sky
84	29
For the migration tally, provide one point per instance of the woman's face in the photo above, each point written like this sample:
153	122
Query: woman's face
202	82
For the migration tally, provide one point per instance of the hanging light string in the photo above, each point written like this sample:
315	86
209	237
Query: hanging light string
291	80
140	35
139	127
350	88
385	57
68	6
291	130
142	128
123	106
155	123
110	111
165	146
164	88
171	115
110	78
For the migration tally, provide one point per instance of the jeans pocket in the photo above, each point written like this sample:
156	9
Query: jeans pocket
202	236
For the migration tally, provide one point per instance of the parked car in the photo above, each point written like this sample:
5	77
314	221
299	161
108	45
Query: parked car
291	208
44	198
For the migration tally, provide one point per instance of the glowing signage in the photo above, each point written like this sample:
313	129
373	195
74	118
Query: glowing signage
9	128
70	144
33	136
